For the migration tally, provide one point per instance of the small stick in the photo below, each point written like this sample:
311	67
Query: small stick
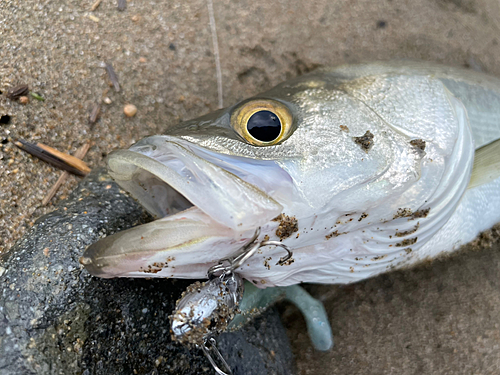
93	18
68	159
94	115
80	154
112	76
48	156
95	5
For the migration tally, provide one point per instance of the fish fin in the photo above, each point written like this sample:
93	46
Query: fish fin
486	164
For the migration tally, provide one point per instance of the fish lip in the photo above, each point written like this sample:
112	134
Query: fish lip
163	247
180	165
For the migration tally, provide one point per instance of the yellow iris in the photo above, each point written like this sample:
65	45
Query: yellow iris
241	120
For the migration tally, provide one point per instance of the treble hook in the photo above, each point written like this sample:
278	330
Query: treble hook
284	259
242	255
206	350
220	274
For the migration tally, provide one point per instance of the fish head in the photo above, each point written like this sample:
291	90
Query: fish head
311	149
311	142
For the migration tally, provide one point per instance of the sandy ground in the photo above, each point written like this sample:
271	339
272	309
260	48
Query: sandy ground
162	53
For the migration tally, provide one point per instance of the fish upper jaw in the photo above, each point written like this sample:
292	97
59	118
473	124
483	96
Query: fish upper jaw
164	165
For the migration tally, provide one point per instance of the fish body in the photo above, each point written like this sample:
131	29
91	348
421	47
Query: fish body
367	171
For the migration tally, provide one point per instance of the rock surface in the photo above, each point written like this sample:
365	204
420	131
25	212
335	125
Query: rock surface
57	319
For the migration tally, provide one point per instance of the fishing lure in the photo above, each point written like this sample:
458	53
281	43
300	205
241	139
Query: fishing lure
206	309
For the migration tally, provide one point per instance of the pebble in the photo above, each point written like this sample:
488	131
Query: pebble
130	110
23	100
107	100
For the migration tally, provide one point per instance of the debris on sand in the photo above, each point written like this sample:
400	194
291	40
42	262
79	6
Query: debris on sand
130	110
112	76
80	154
122	5
36	96
18	91
94	114
52	156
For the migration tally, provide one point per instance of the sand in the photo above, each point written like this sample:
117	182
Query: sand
162	53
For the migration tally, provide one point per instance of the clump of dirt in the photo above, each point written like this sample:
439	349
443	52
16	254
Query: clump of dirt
363	216
421	213
407	212
418	143
406	242
379	257
487	238
288	225
286	262
403	212
334	234
407	232
365	141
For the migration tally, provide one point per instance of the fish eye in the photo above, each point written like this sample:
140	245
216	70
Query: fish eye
264	126
262	122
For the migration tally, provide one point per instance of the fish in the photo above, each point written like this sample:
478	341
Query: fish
358	169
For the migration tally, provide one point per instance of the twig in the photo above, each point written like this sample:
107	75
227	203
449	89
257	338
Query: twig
58	159
94	114
68	159
80	154
213	28
93	18
112	76
95	5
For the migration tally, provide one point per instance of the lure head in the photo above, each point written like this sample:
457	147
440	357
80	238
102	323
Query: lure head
206	309
341	153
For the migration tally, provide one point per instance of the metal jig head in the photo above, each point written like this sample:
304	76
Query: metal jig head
206	309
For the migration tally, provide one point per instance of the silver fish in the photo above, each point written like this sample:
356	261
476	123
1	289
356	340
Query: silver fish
358	169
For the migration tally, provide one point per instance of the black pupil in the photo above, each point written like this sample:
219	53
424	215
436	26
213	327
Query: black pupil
264	126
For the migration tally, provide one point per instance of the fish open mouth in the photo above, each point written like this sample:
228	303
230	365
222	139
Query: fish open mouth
202	200
167	175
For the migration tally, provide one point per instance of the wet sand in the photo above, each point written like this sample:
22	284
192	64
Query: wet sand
442	319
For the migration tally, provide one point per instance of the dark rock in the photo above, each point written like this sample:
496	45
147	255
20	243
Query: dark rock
57	319
246	354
